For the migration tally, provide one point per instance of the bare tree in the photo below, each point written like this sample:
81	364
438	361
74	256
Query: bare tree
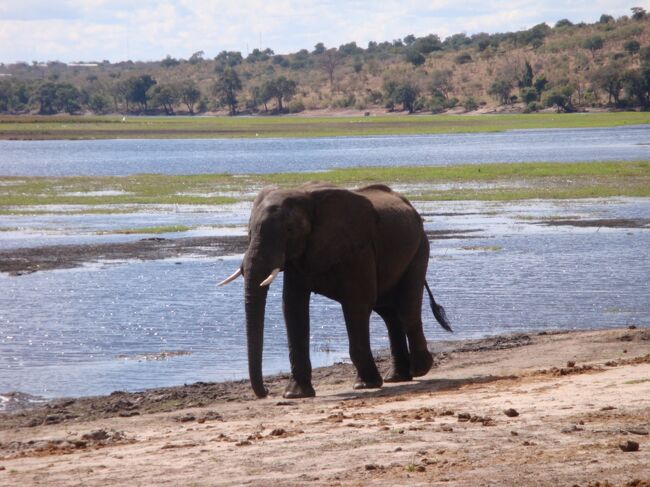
329	61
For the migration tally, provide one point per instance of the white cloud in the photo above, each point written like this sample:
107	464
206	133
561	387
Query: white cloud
150	29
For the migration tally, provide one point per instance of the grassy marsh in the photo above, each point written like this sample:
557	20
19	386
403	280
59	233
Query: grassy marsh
112	127
499	182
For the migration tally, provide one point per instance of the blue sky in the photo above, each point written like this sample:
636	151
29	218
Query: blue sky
85	30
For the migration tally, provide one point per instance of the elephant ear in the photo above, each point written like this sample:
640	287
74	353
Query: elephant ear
343	223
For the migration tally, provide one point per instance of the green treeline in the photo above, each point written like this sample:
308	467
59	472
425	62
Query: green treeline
567	67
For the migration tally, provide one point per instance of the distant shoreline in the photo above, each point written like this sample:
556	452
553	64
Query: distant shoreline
344	123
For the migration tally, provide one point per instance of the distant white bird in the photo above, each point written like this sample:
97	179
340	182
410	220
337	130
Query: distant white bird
123	119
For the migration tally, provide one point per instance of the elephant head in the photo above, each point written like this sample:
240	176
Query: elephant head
315	225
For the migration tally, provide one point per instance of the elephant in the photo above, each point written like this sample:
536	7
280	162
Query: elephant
364	248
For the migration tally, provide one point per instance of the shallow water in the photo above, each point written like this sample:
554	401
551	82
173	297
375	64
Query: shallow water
192	156
67	332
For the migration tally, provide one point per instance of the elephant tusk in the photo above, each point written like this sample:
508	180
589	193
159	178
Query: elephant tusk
274	273
235	275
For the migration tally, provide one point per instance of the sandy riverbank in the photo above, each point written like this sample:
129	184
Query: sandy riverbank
578	395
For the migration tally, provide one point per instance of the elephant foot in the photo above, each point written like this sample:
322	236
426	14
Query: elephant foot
421	362
368	384
398	376
297	391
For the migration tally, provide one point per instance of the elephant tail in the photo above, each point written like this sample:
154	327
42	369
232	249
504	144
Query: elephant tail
438	310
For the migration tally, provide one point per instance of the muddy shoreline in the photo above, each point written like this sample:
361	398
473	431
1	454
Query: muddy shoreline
545	408
21	261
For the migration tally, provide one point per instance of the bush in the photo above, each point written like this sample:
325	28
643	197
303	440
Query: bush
532	107
463	58
296	106
469	104
529	95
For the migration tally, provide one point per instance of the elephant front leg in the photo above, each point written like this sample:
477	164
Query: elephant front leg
295	305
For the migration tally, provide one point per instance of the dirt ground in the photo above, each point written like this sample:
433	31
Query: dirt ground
535	410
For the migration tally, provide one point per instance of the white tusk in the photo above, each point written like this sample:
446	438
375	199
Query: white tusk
274	273
235	275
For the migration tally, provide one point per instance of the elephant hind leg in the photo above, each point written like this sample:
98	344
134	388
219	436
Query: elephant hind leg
409	311
401	365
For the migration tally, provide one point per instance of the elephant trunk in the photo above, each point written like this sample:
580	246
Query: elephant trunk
255	299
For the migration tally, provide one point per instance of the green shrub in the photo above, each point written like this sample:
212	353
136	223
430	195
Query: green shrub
296	106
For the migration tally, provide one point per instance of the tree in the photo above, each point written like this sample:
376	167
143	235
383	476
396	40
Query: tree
605	19
540	83
279	88
169	62
427	44
637	85
226	88
563	23
350	49
329	61
228	59
137	88
189	94
259	56
46	96
441	82
409	39
593	44
632	47
165	95
609	79
99	103
501	89
638	13
404	92
196	58
319	48
526	80
414	57
560	98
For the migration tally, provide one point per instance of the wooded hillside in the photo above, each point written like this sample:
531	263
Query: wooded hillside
567	66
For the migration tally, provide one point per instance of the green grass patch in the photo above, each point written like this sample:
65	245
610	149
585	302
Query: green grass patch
110	127
154	230
26	195
637	381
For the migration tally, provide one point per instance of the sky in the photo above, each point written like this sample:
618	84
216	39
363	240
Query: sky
146	30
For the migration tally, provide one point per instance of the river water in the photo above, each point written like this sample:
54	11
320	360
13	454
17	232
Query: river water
132	325
195	156
92	330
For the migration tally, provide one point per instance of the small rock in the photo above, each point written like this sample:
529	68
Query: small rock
448	412
420	468
511	413
607	408
514	433
446	428
399	448
128	414
371	466
572	428
629	445
98	435
284	403
185	418
631	327
277	432
79	443
243	443
570	364
464	417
